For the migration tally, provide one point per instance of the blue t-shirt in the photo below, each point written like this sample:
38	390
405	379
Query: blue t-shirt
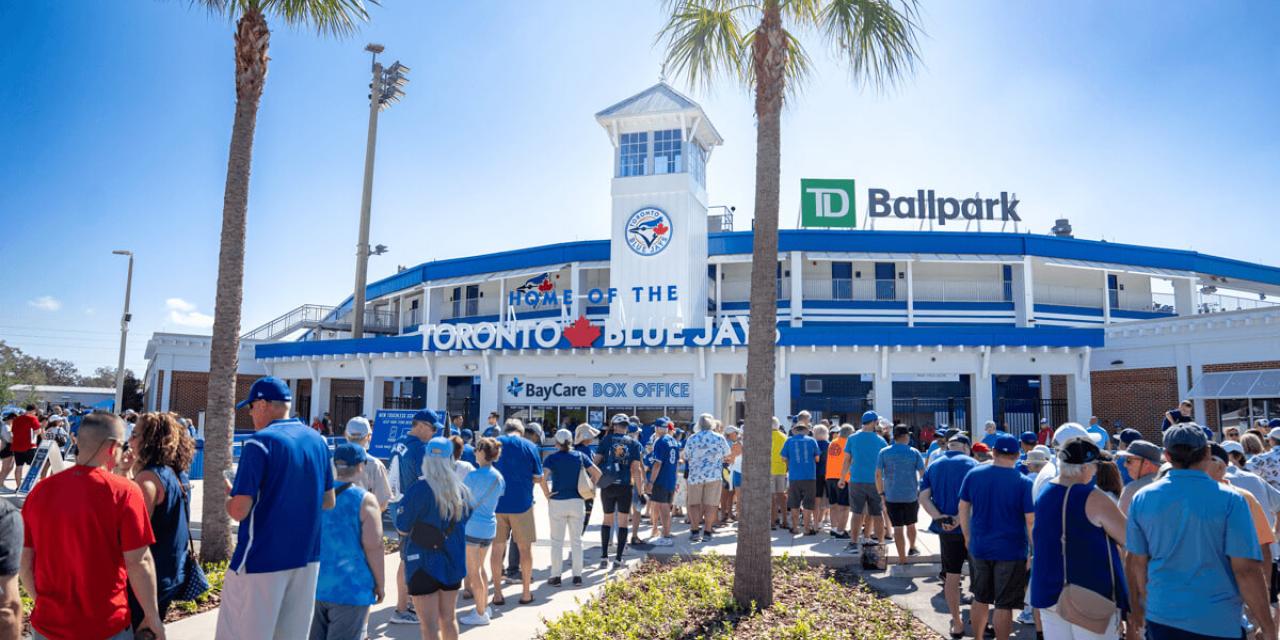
486	486
519	462
999	499
1190	527
990	438
286	468
800	452
943	478
588	450
900	466
406	462
447	565
491	431
565	467
617	452
1093	428
865	448
667	451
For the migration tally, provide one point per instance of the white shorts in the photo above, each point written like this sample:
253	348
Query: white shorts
1057	628
277	604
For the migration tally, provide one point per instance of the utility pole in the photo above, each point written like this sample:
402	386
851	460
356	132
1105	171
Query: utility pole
124	332
384	90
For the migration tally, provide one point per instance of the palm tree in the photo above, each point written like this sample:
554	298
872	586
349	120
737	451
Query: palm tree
711	39
252	37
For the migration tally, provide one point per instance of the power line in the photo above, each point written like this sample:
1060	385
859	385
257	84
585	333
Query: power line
29	328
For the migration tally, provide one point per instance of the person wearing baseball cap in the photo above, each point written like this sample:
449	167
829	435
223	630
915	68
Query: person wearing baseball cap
565	505
992	432
405	469
373	477
898	470
1267	465
800	452
618	458
431	519
521	467
1061	436
351	553
995	505
940	498
862	450
283	483
1142	461
1044	434
1088	520
1035	460
661	481
1194	555
777	476
981	452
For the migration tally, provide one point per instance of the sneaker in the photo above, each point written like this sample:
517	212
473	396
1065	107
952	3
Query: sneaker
577	581
706	535
403	617
913	551
474	619
618	564
662	542
1025	617
842	535
554	581
604	562
695	537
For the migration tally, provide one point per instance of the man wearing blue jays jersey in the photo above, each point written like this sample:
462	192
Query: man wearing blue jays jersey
406	469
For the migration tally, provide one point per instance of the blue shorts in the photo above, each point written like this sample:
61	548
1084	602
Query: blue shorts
737	479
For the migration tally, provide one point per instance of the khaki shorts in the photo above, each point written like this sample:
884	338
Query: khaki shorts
520	526
704	493
779	482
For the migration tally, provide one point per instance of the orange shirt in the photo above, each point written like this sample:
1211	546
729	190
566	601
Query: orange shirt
1265	535
835	458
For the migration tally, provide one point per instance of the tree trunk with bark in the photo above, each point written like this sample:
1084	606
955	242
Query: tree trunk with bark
251	42
753	570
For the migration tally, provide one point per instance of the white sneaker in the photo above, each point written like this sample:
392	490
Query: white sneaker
1025	617
661	542
403	617
475	619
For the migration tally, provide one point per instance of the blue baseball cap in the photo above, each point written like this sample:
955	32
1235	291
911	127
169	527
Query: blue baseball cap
269	388
1130	436
428	416
1028	438
661	422
468	435
348	454
1005	444
439	448
1187	434
870	416
960	437
1273	423
633	428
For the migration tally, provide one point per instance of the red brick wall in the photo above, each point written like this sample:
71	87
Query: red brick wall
1058	387
1136	397
191	388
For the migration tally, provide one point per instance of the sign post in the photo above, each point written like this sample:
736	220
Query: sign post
37	465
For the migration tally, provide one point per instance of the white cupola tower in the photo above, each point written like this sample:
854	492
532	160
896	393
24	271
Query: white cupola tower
658	252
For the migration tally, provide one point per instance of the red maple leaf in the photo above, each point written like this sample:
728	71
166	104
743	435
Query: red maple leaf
581	334
545	286
661	229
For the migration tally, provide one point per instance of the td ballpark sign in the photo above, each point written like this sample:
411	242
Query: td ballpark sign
831	203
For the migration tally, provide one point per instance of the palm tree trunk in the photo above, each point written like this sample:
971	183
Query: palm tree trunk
251	41
753	570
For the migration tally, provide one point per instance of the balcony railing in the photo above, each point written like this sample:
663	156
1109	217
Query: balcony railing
958	290
850	289
470	308
412	318
740	290
1213	303
1069	296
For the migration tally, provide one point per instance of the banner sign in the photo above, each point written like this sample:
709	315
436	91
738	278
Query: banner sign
389	425
581	334
827	203
42	455
601	391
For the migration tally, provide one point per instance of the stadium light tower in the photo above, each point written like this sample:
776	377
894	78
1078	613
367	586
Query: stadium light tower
124	332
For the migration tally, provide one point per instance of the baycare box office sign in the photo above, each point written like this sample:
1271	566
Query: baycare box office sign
519	390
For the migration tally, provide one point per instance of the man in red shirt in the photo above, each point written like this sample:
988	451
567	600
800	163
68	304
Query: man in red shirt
87	532
25	428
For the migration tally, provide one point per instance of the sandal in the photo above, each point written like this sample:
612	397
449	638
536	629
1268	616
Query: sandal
498	601
529	601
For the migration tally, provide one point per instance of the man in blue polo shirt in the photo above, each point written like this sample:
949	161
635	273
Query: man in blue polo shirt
1095	428
992	432
521	467
404	470
996	513
940	497
283	482
801	452
1194	557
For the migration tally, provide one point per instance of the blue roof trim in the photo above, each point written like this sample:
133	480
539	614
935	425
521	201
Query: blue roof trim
949	336
1013	244
390	344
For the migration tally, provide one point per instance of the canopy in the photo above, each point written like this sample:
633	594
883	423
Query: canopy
1263	383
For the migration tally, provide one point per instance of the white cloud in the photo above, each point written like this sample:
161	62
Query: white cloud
185	314
90	311
46	303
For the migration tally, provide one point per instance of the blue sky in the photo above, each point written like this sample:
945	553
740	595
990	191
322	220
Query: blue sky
1145	122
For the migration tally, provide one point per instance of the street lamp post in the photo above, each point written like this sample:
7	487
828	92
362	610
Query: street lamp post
124	331
384	90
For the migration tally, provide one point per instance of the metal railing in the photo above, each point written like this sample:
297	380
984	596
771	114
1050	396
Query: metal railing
1069	296
472	307
958	290
305	316
851	289
1220	302
412	318
740	290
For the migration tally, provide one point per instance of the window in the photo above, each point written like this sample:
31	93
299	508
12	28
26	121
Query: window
1006	280
698	164
666	151
1113	290
841	280
633	154
886	286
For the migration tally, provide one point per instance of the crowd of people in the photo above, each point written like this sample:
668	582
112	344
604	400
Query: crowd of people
1083	533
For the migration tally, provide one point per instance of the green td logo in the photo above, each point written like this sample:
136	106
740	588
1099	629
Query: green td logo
827	203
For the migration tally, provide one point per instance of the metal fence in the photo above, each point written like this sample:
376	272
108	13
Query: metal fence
1024	414
953	412
346	408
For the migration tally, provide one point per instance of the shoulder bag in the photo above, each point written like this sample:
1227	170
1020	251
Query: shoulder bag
1079	605
194	582
586	488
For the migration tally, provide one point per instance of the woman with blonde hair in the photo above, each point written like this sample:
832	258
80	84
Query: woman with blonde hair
432	518
162	452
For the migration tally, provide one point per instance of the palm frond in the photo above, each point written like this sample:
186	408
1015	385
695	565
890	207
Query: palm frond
796	69
877	38
705	40
805	13
327	17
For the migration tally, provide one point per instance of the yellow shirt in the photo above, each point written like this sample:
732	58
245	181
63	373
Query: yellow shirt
778	466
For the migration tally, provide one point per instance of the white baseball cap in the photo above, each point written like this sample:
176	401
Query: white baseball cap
1231	445
732	429
1073	431
564	436
359	427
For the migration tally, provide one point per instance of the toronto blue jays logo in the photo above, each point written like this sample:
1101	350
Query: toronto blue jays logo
648	231
513	387
540	283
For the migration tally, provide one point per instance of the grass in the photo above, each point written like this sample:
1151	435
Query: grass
693	600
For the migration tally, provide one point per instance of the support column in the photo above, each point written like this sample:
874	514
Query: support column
372	395
320	391
1106	297
1023	285
719	297
1186	298
437	393
293	392
1080	395
797	288
911	296
166	396
489	400
980	392
703	391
